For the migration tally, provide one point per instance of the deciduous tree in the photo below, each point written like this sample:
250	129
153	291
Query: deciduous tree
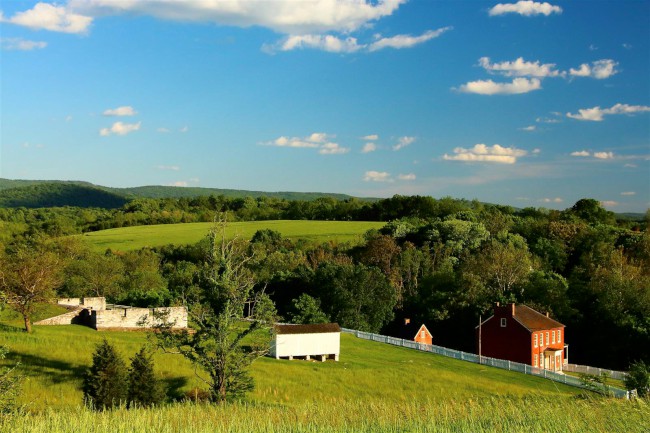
223	345
28	276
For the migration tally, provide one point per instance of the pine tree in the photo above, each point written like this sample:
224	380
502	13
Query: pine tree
144	389
105	383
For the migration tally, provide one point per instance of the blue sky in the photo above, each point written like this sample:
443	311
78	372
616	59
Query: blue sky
522	103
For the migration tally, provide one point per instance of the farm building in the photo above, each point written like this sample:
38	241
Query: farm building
321	341
520	334
97	314
412	332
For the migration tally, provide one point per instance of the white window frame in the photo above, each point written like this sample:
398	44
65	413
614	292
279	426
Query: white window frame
535	361
559	336
547	337
503	322
553	337
535	340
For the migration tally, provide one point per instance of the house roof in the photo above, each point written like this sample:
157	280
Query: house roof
307	329
411	330
533	320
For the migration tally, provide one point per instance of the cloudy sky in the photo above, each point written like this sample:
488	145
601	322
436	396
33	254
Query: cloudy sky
523	103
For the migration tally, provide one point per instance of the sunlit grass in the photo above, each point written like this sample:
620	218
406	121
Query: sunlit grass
374	387
134	238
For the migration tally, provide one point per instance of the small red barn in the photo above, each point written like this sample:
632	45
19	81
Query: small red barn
520	334
412	332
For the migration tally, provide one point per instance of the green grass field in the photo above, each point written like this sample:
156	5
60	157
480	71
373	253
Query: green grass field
374	387
134	238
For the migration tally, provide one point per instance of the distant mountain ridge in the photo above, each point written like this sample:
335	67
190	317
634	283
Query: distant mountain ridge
55	193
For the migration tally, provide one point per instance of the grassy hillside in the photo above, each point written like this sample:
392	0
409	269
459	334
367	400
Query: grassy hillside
374	387
133	238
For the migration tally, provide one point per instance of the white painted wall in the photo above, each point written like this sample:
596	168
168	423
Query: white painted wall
306	344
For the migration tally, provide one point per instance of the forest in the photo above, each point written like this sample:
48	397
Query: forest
443	262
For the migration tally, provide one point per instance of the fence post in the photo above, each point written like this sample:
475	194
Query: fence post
508	365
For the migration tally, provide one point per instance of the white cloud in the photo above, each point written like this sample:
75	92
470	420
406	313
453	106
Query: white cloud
630	165
283	16
45	16
596	114
628	193
526	8
329	43
483	153
168	167
552	200
581	153
126	110
530	128
402	142
548	119
163	130
406	41
332	149
184	129
120	128
409	176
349	44
600	69
371	137
377	176
489	87
604	155
609	203
316	140
184	183
20	44
520	68
369	147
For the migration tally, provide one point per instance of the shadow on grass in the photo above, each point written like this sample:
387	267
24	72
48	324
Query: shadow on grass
11	328
173	387
55	370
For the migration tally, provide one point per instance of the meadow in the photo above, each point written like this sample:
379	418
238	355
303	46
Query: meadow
134	238
374	387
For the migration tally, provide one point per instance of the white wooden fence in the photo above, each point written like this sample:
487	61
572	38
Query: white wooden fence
585	369
484	360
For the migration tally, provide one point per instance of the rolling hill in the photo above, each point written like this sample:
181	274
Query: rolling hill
51	193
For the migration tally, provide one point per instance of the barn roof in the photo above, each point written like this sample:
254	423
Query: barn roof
307	329
533	320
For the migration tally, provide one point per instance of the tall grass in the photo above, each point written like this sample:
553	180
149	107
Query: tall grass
533	414
133	238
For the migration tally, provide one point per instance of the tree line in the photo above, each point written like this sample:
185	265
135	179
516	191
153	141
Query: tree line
440	262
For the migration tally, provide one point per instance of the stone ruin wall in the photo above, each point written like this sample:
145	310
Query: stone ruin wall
137	318
92	312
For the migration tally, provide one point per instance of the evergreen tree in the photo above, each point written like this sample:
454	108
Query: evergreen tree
105	383
144	388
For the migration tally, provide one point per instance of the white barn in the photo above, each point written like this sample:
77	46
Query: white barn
321	341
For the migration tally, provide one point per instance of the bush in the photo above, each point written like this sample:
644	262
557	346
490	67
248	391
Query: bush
639	378
144	389
105	383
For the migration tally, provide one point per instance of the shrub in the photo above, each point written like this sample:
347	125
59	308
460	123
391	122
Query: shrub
105	383
639	378
144	388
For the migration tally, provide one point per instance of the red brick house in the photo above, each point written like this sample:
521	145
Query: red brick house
520	334
412	332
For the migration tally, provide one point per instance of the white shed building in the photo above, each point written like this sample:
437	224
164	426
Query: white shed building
322	341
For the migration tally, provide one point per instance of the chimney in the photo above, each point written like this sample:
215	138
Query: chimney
498	304
407	321
513	309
